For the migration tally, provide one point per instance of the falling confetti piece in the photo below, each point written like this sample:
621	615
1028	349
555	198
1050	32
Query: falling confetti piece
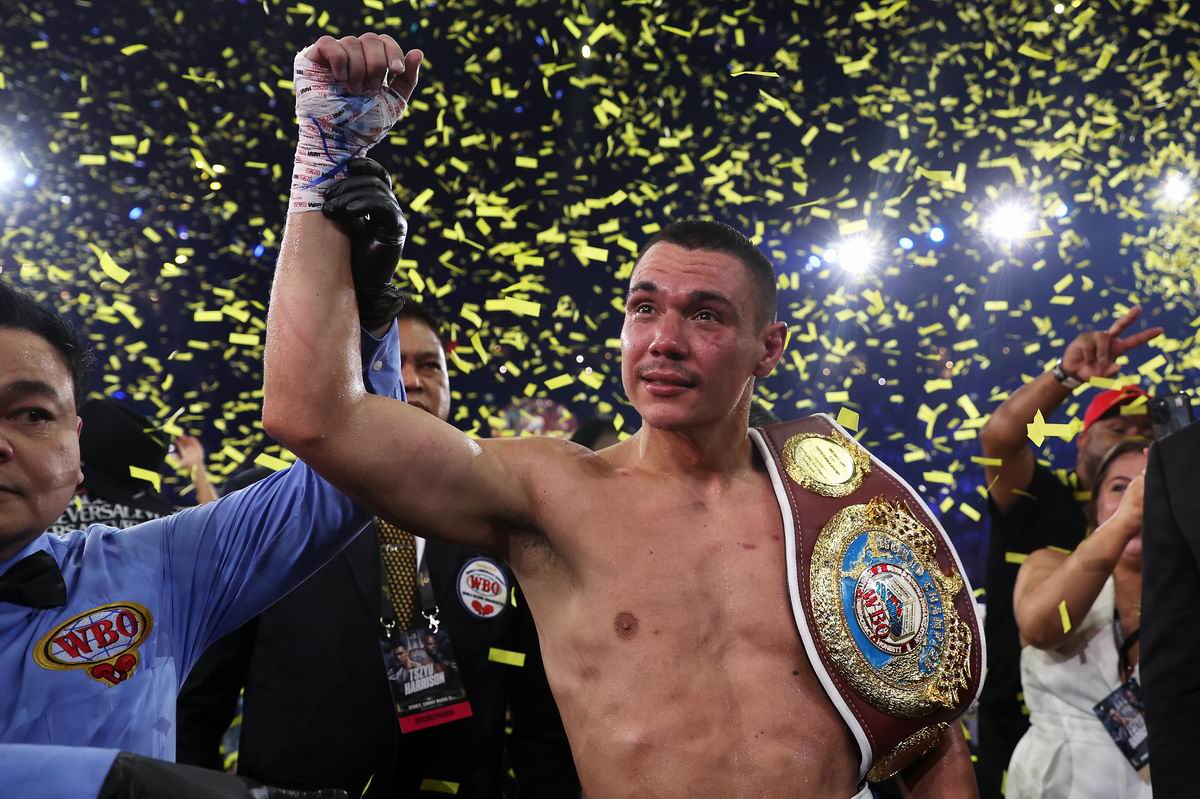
153	478
506	657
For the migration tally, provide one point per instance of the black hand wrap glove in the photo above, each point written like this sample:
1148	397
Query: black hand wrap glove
368	212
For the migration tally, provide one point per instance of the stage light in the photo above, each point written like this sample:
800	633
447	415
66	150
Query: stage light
814	261
31	180
1009	221
937	235
1059	8
856	254
8	170
1177	188
1062	210
135	213
906	243
587	51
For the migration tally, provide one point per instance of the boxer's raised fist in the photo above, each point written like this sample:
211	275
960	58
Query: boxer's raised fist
365	62
349	94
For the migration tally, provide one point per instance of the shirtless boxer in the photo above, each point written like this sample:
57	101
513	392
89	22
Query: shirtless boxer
654	568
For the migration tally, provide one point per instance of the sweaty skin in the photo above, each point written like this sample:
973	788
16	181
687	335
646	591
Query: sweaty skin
670	647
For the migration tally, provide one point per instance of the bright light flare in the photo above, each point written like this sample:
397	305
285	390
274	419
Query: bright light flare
855	255
8	169
1177	188
1009	221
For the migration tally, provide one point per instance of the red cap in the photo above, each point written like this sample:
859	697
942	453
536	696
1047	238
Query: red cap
1105	401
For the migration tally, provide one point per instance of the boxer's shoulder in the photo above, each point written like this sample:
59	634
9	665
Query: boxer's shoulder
542	453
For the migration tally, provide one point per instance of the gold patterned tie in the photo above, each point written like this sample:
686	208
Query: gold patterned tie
398	550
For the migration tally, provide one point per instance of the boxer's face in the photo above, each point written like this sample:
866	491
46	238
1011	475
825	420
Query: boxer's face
691	345
39	438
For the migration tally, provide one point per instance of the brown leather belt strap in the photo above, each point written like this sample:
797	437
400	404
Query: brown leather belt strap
878	593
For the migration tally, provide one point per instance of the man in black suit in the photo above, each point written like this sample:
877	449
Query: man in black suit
318	709
1170	673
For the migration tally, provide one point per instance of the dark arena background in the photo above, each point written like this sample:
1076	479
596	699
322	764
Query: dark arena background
949	191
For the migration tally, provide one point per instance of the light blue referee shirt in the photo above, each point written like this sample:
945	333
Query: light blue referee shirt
143	604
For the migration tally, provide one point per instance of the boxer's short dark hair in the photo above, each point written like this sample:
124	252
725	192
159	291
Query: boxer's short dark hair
709	234
20	311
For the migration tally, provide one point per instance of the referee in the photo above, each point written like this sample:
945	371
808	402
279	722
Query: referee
99	627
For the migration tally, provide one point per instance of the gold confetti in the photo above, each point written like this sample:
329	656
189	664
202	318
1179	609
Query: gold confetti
151	477
508	658
848	418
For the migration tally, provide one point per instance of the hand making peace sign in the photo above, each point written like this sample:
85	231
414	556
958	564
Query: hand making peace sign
1095	354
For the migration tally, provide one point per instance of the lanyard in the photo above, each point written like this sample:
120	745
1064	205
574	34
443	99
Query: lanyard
429	606
1124	645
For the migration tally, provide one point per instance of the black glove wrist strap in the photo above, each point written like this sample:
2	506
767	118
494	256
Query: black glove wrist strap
379	305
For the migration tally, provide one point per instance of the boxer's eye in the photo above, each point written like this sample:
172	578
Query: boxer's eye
33	416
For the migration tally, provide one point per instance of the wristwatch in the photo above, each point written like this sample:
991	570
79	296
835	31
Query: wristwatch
1065	380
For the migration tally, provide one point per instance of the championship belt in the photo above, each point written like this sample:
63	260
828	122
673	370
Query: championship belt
877	591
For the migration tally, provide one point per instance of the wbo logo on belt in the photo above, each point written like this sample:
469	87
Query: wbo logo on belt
885	609
880	601
102	641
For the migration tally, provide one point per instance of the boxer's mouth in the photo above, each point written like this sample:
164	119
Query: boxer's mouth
666	383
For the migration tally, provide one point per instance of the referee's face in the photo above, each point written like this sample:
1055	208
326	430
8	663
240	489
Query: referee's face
39	438
423	367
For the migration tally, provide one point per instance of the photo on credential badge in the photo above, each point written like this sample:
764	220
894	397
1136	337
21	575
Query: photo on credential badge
1123	716
423	674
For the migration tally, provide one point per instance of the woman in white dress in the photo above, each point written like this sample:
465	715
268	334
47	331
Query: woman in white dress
1094	591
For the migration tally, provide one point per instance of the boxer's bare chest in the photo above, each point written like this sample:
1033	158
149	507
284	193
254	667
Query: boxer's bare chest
675	630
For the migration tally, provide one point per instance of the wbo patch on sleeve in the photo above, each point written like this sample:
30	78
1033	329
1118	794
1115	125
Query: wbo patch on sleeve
103	642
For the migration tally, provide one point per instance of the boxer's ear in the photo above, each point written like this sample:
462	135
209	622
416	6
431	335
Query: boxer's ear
773	340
